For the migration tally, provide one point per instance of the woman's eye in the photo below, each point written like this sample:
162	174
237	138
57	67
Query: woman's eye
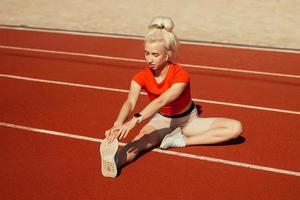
156	55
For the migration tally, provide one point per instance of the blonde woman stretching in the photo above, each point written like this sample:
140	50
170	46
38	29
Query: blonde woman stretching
175	121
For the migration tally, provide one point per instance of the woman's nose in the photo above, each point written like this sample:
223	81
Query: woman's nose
150	58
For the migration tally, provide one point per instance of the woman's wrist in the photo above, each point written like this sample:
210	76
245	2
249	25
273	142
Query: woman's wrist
138	117
134	121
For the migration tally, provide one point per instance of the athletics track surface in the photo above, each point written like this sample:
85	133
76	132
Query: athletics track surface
61	91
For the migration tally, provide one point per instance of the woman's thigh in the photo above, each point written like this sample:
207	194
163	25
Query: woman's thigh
199	125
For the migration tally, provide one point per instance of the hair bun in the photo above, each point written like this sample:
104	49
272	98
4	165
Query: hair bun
162	22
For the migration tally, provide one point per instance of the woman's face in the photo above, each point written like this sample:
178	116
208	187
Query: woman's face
155	55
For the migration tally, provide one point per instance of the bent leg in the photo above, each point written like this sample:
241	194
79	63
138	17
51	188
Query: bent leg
219	130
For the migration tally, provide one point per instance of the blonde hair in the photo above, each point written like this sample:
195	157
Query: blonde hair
161	30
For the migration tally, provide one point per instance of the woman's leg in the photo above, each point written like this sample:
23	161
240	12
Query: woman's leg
146	139
211	130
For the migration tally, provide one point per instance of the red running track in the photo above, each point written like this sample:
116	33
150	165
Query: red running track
38	166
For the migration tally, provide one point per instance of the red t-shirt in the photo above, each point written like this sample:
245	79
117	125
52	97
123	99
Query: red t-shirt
175	74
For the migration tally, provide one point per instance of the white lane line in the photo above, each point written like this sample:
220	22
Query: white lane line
247	106
141	37
49	132
143	93
242	71
185	155
72	54
143	61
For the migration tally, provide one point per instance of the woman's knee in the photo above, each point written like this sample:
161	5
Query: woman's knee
236	128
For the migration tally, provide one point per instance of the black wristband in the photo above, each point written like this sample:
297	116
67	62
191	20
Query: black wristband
139	117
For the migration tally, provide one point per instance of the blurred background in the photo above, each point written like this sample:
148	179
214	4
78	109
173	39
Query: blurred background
269	23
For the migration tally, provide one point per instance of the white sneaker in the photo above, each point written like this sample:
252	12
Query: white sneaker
173	139
108	163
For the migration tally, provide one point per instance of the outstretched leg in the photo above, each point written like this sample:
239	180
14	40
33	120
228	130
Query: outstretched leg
146	139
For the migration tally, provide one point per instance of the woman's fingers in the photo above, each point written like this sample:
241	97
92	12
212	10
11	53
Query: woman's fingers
116	133
121	133
125	134
110	134
110	131
111	137
107	133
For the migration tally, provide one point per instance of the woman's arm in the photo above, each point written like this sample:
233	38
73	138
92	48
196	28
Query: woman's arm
167	97
126	109
129	104
153	107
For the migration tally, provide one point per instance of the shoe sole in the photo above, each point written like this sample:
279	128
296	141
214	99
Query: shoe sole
175	132
108	163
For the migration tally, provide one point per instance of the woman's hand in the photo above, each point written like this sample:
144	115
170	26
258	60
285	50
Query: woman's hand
120	132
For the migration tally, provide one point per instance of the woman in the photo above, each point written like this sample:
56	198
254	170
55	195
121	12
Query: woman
175	121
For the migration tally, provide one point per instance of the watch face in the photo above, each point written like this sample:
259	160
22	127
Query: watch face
137	115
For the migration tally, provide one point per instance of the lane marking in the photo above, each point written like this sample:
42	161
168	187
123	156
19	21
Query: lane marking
141	37
144	93
143	61
168	152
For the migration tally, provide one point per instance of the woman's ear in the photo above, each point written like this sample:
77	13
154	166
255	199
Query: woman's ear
167	58
168	55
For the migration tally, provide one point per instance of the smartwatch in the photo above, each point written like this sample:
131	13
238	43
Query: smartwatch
139	117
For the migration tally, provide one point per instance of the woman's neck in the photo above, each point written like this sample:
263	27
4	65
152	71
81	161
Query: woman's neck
162	71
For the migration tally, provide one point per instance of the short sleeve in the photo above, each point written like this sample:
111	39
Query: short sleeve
181	76
139	78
